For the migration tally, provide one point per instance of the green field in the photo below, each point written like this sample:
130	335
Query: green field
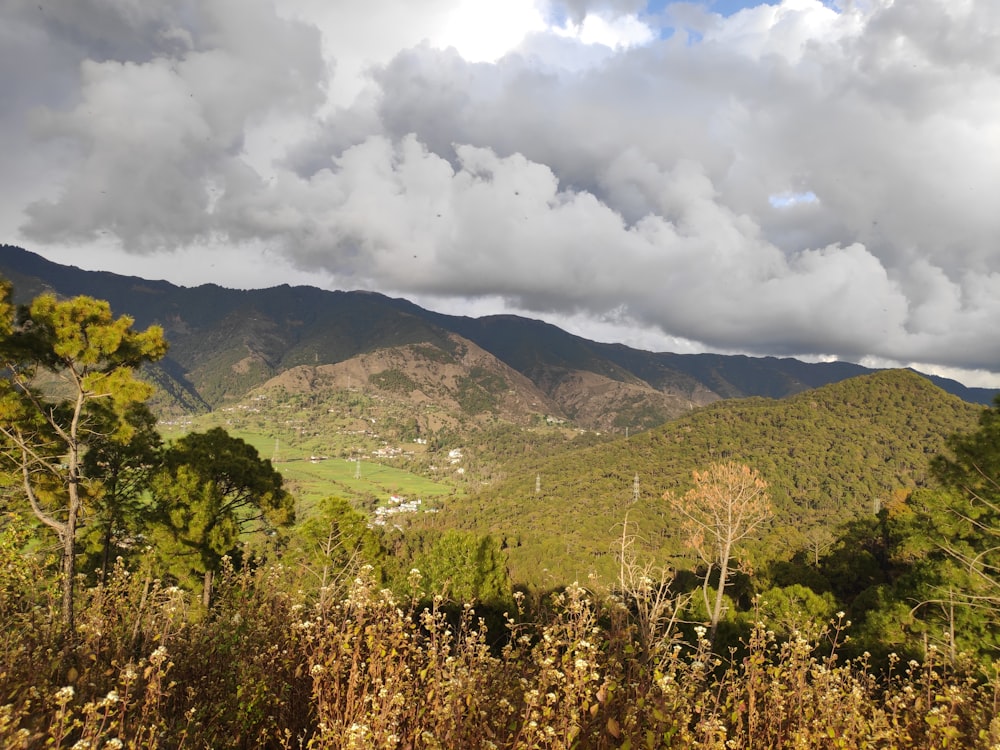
337	476
310	480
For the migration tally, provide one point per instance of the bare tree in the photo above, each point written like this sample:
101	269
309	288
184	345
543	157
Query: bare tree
646	592
728	503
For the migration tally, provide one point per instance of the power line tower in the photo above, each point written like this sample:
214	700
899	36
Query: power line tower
538	484
357	468
274	456
635	489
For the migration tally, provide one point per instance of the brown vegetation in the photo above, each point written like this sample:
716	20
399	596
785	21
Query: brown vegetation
269	666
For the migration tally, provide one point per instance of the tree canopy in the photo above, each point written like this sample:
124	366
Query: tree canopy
213	488
69	379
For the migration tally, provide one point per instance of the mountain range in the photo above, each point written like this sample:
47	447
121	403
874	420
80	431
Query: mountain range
226	343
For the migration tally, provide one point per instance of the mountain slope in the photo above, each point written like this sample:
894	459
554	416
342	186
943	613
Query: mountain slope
828	454
431	387
224	343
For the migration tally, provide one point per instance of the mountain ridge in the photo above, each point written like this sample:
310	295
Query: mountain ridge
226	342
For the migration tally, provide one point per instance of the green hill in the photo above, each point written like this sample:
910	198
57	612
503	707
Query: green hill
829	455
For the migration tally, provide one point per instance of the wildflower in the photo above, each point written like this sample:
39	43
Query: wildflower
65	694
840	615
158	656
700	631
114	744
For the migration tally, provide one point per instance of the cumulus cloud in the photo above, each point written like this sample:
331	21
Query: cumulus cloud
795	178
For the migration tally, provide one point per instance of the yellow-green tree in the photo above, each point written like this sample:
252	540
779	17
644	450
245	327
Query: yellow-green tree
211	490
69	377
728	503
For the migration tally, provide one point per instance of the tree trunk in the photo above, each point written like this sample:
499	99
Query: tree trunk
69	559
69	540
720	592
106	554
206	592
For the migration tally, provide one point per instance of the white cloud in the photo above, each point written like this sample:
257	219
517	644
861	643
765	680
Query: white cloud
484	31
790	179
618	32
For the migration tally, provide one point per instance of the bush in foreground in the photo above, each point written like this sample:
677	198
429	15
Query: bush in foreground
367	669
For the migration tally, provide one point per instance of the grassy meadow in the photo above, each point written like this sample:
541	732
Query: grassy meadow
316	468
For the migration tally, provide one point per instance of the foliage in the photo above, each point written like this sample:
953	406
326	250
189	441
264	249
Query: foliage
466	567
970	534
212	490
122	464
477	394
333	544
393	380
69	381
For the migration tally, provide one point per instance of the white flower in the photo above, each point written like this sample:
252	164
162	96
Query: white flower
65	694
158	656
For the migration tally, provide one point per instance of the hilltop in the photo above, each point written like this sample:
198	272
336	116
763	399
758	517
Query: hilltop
830	455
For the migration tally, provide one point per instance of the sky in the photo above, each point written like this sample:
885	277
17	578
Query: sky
798	178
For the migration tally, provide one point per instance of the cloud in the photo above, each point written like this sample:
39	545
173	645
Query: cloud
792	178
578	10
158	136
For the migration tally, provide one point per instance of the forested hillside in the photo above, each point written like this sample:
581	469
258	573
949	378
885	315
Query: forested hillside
830	455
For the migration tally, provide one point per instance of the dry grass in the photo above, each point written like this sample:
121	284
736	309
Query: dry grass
268	666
